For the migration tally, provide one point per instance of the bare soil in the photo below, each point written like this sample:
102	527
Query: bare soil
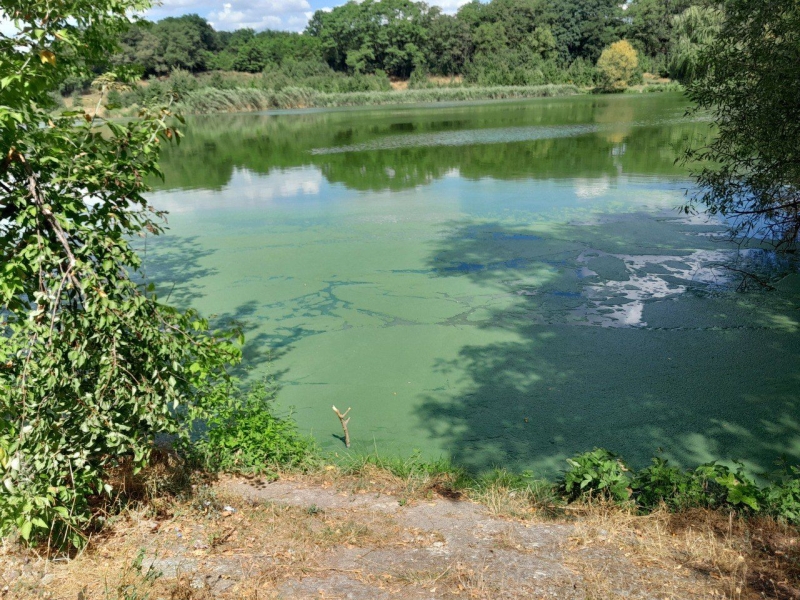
329	537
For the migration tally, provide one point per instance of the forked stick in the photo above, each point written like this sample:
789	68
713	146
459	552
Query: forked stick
344	423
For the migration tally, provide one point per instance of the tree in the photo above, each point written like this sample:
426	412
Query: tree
251	58
185	43
584	27
617	66
387	35
92	365
650	23
693	30
750	84
448	44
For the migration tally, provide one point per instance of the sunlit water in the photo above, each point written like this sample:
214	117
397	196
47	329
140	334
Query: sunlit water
505	284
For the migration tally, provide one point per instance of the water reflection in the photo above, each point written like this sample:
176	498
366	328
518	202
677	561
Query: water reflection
504	283
586	137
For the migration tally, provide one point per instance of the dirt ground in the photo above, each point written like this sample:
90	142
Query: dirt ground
334	538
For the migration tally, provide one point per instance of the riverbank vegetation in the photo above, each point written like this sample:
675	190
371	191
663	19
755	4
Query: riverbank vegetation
211	100
748	82
109	397
373	48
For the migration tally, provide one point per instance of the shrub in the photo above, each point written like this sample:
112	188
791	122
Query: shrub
239	432
180	83
94	366
782	497
661	482
616	66
598	472
711	485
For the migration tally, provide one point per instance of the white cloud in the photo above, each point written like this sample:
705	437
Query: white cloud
449	6
261	14
228	15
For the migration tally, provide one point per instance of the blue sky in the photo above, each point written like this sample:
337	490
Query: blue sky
228	15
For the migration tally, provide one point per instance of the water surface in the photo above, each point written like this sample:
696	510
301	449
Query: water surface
503	283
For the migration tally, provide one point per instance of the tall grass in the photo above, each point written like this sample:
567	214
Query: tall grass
212	100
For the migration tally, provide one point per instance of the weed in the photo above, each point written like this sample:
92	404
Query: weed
242	434
135	583
211	100
597	472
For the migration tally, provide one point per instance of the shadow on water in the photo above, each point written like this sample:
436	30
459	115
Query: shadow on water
174	264
707	374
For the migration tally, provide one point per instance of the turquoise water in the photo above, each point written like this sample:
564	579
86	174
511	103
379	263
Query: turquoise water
505	283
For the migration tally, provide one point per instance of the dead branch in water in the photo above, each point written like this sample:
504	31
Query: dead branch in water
344	423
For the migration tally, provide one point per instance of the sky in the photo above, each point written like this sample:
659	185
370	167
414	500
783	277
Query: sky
291	15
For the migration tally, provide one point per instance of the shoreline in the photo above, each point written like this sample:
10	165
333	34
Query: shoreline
210	100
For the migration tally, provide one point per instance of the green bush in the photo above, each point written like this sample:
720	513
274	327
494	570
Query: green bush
239	432
782	497
713	486
661	482
597	473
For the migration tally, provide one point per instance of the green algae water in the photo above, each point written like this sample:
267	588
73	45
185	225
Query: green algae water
504	283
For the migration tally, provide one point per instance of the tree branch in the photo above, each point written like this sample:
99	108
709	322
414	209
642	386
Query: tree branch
344	423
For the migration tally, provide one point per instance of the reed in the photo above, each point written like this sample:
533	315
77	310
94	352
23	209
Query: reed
209	100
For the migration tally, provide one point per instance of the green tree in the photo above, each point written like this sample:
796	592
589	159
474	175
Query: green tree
651	22
448	44
750	84
251	58
584	27
693	30
92	365
388	35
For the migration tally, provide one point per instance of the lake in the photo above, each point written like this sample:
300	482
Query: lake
503	283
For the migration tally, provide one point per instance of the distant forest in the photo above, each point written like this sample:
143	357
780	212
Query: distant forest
502	42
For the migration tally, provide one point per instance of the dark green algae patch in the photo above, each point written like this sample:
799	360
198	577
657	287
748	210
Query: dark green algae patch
503	284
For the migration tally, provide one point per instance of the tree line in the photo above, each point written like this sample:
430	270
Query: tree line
502	42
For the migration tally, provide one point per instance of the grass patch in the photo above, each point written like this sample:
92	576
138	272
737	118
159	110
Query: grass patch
212	100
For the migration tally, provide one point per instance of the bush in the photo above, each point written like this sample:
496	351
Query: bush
239	432
661	482
617	66
712	486
782	497
598	472
180	83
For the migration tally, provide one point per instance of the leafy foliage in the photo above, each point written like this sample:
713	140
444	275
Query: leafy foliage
598	472
92	365
750	84
500	42
240	433
617	66
693	30
712	486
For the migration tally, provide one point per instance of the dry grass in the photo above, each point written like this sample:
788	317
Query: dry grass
610	552
454	580
370	478
436	80
733	557
510	539
272	542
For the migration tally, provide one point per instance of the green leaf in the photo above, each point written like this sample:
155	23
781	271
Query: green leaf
25	530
